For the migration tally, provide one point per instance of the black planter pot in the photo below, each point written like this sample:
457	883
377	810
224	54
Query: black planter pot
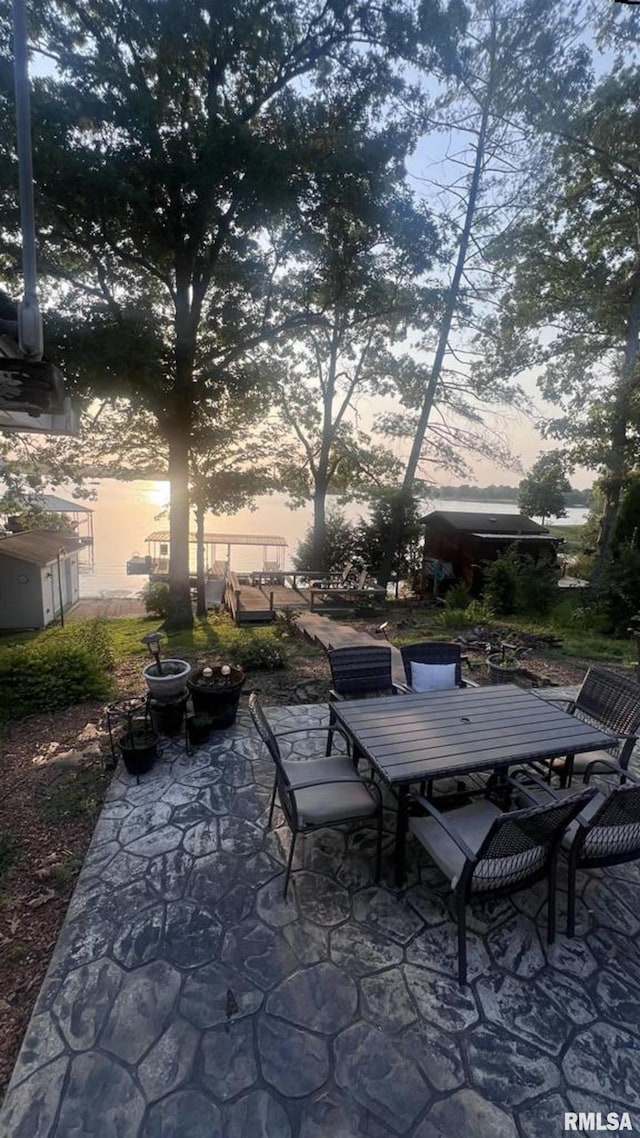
500	673
217	696
167	716
199	728
139	750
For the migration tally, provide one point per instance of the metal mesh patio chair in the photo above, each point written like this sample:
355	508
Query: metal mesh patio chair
317	792
434	652
483	851
358	672
609	700
605	832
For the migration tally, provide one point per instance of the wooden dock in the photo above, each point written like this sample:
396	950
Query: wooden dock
333	634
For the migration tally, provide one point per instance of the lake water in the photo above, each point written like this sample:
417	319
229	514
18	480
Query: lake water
126	512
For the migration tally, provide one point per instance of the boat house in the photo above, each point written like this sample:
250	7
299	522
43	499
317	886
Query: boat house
38	578
457	543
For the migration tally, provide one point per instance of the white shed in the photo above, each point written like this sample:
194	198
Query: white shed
38	577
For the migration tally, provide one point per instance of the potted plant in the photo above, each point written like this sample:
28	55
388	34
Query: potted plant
165	679
215	690
504	665
199	728
137	742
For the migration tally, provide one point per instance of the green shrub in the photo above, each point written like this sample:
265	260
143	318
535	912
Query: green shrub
458	596
259	650
515	583
536	586
286	623
155	596
480	612
453	618
616	592
500	582
47	675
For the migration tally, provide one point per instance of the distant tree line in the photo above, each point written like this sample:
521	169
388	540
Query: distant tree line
499	493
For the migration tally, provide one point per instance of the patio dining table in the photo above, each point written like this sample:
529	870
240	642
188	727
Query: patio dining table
418	737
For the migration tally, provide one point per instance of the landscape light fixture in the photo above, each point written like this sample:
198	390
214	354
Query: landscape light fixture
152	641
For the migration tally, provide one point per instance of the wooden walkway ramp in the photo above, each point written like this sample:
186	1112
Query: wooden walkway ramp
333	634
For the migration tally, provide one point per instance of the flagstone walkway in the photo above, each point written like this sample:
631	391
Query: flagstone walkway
186	999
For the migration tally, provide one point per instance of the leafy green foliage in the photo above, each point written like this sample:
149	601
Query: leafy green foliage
48	675
515	583
542	493
155	596
258	650
616	589
338	546
372	538
458	596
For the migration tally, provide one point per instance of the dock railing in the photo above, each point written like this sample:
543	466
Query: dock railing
231	593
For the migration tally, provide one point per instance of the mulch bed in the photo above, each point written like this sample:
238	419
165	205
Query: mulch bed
51	791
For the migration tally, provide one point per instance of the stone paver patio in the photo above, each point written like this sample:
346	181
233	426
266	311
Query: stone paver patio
186	999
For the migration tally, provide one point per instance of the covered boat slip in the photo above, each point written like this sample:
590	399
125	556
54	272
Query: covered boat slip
253	596
217	551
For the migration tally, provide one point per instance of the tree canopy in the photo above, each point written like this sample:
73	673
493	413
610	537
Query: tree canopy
168	138
542	492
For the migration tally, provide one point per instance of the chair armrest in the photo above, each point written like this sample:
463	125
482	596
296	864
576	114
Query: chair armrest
538	782
335	696
560	699
326	782
470	684
310	730
402	689
454	834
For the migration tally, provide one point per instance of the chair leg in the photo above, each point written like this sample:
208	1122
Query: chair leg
551	903
571	899
330	733
273	802
461	916
294	835
379	845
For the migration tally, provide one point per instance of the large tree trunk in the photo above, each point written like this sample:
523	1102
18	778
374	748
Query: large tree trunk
201	601
321	472
453	295
319	526
179	437
180	614
617	474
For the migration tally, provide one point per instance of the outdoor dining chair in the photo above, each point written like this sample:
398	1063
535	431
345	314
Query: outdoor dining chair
359	671
605	832
433	654
610	700
485	852
315	793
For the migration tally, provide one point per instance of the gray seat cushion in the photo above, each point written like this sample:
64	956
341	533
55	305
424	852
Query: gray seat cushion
330	802
581	762
586	813
473	822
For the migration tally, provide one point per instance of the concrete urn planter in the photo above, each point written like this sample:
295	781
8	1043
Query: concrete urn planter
169	683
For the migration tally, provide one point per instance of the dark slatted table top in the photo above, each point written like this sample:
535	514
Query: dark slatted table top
409	738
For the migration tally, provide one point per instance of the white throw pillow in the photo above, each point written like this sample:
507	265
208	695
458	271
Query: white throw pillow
432	677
